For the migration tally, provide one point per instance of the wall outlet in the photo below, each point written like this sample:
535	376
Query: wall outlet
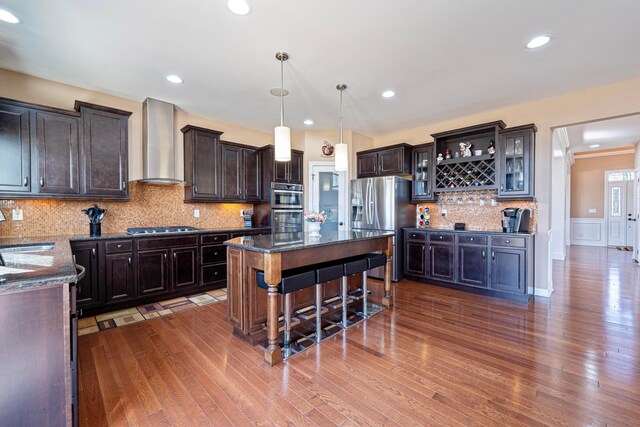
196	213
16	214
592	210
444	213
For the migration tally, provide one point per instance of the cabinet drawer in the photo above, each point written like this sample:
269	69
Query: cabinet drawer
207	239
166	242
510	242
214	273
472	239
416	235
213	254
116	246
441	237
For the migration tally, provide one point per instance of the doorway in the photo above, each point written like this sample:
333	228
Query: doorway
329	192
620	208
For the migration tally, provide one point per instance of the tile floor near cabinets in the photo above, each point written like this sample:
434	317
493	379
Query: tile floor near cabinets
101	322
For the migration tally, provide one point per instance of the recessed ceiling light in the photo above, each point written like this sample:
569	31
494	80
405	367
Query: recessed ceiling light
594	146
538	42
174	79
239	7
9	17
388	94
308	122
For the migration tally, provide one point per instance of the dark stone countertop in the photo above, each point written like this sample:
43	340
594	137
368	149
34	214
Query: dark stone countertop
284	242
446	230
112	236
28	270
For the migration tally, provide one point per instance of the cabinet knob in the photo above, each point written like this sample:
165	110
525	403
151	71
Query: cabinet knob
175	256
195	189
129	261
42	181
124	185
493	255
440	237
215	274
507	241
119	246
26	181
80	313
502	187
93	252
483	254
215	253
471	239
165	257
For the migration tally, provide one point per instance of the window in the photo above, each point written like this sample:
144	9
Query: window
616	193
621	176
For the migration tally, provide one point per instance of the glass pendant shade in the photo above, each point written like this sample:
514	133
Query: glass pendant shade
282	136
342	157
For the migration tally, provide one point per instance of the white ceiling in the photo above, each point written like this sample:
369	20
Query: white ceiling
612	133
444	58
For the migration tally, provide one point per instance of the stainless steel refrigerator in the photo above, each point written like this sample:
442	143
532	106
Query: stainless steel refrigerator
383	204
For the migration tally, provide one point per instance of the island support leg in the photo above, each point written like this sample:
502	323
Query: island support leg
272	275
386	299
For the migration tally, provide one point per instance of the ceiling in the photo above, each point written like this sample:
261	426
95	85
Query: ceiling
606	134
443	59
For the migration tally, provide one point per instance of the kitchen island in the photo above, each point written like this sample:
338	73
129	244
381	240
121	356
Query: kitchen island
283	251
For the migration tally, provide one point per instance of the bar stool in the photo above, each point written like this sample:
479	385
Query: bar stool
324	273
292	281
351	266
373	261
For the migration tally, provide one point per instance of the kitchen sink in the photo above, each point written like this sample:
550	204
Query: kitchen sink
28	247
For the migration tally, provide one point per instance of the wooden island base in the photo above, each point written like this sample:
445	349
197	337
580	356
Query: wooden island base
249	307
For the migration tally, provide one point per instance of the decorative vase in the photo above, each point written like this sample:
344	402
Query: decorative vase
314	228
95	229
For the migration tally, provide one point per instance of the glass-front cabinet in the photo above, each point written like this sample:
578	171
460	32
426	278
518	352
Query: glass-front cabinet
516	154
422	170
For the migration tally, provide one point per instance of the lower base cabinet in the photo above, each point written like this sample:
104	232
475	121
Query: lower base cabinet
502	264
119	274
152	272
185	268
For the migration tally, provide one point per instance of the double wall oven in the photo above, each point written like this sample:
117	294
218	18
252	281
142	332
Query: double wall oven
287	212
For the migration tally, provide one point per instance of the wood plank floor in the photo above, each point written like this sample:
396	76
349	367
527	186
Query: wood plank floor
440	357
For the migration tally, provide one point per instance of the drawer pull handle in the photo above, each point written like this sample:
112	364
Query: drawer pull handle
165	257
215	253
26	181
129	261
124	185
471	239
93	252
440	237
507	241
119	246
483	254
215	274
493	255
41	181
195	189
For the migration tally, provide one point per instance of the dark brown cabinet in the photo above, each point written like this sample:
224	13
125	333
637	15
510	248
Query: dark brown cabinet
393	160
184	268
415	258
441	257
119	278
87	255
290	172
104	150
497	264
213	260
152	272
508	270
516	155
423	173
472	265
240	175
59	154
57	148
201	164
15	161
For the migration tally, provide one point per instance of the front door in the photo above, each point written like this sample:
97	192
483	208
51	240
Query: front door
621	218
329	194
630	215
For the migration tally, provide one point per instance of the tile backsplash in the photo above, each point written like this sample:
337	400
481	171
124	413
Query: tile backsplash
150	206
475	217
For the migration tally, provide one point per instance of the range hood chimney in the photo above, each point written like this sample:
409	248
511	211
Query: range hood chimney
158	151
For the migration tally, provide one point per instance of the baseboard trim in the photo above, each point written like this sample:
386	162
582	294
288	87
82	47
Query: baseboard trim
559	256
541	292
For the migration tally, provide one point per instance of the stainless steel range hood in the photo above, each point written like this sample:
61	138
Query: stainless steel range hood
158	148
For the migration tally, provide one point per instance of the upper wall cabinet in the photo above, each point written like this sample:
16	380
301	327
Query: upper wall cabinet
393	160
423	173
219	171
104	149
49	153
517	154
290	172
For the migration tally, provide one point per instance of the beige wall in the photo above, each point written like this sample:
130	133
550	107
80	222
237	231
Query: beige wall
32	89
592	104
588	183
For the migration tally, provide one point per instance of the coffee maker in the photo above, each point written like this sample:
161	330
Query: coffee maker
516	220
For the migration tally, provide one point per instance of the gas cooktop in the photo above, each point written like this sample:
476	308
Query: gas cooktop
160	230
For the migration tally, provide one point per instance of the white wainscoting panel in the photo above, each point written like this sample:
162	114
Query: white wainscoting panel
588	231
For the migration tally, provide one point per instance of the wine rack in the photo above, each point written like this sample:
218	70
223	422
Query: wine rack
466	173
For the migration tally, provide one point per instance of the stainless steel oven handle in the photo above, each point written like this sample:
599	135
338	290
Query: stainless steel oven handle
287	191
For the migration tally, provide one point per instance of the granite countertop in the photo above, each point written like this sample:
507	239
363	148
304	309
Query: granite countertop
124	235
284	242
532	233
25	270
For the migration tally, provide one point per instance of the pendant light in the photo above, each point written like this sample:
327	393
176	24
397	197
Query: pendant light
342	155
282	133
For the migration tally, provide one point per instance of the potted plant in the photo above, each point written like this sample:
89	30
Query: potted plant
314	221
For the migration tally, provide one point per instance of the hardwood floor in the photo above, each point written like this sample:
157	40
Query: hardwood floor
440	357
